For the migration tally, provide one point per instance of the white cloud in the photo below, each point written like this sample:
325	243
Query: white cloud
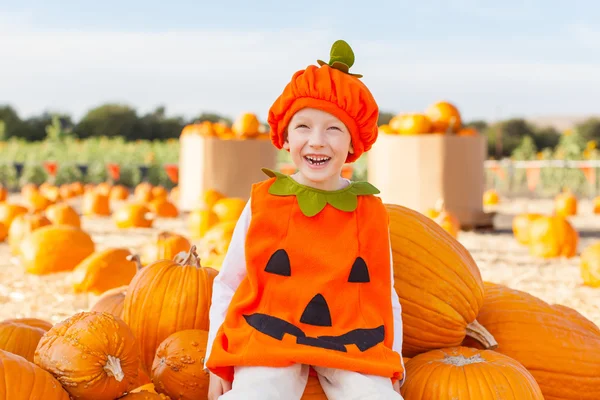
231	72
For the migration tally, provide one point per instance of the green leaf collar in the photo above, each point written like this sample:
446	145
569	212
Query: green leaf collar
311	201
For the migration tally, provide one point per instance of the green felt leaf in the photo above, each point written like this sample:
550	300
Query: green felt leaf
311	200
341	52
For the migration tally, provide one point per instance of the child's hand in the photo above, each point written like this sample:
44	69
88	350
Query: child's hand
397	386
217	386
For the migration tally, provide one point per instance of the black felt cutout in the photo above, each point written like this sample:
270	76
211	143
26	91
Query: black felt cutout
317	312
279	264
275	327
359	272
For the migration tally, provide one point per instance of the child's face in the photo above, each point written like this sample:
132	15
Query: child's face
319	144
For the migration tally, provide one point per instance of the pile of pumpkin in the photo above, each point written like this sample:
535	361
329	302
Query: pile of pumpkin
549	236
441	117
463	338
246	126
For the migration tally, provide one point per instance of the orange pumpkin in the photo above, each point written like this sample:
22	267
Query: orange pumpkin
111	301
521	224
438	282
165	246
159	192
210	197
596	206
104	188
9	211
491	197
590	265
552	236
556	344
385	128
143	193
163	208
133	215
77	188
448	222
204	128
21	379
65	192
444	116
104	270
3	232
174	195
143	395
217	238
95	202
102	361
468	374
36	201
63	214
3	193
467	132
178	367
413	124
565	204
20	339
246	126
33	322
200	221
229	209
185	305
22	226
55	248
149	387
52	193
119	192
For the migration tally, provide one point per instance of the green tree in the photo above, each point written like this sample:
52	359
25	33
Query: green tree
2	131
526	150
108	120
156	126
212	117
589	129
570	147
510	133
546	138
11	120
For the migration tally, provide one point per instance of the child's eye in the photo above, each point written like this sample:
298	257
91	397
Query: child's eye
334	127
301	126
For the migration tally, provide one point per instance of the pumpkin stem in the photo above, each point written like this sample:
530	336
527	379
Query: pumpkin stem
192	258
135	258
478	332
113	368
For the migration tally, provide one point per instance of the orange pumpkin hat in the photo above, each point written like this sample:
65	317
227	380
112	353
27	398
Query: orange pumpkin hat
330	88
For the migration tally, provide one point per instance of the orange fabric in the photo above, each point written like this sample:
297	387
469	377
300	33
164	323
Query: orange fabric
335	92
320	264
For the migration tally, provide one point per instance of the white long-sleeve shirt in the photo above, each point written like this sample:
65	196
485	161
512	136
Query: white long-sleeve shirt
233	272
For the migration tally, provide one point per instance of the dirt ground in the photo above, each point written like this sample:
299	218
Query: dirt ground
500	258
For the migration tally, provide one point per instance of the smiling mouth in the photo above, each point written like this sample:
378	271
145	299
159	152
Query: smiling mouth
318	161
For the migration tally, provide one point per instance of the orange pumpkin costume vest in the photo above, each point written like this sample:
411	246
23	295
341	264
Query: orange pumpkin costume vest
317	290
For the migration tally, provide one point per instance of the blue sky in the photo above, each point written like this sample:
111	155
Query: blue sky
493	59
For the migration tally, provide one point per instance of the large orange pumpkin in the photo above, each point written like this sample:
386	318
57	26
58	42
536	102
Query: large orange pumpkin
165	246
22	226
590	265
111	301
552	236
9	211
93	355
559	346
444	116
20	339
521	224
133	215
63	214
178	367
438	283
565	204
468	374
165	297
103	270
33	322
23	380
55	248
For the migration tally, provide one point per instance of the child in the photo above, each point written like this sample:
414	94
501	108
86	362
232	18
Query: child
307	281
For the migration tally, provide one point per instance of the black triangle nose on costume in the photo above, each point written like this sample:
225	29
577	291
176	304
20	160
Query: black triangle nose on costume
279	264
317	312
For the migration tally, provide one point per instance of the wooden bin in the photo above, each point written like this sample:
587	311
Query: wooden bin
229	166
415	171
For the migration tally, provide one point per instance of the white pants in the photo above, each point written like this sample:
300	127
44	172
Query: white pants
267	383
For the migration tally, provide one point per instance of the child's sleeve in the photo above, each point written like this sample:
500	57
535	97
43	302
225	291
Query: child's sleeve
397	311
233	271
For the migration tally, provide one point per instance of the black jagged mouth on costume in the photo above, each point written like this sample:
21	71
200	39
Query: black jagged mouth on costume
275	327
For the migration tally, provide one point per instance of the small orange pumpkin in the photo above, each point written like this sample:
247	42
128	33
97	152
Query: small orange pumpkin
165	246
119	192
159	192
36	201
210	197
104	270
229	209
103	357
104	188
246	126
449	222
552	236
111	301
565	204
413	124
143	193
3	232
596	205
163	208
55	248
444	117
133	215
3	193
178	367
9	211
22	226
521	224
467	132
63	214
491	197
590	265
95	202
